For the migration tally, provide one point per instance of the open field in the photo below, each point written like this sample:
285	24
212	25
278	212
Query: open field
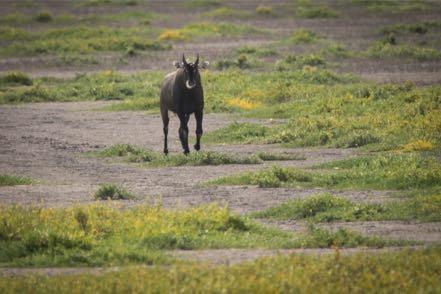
320	161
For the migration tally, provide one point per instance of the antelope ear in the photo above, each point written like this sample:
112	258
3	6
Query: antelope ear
204	64
176	64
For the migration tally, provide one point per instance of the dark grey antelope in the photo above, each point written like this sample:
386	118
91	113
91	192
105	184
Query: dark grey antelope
182	93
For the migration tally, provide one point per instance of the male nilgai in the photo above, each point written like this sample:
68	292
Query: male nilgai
182	93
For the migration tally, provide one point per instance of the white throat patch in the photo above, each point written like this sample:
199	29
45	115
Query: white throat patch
187	84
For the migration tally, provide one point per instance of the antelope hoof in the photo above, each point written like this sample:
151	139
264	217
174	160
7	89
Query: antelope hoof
186	152
166	151
197	147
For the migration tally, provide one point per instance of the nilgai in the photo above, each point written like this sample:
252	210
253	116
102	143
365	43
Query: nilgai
182	93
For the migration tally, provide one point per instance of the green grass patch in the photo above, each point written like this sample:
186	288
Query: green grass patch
18	19
110	2
265	10
303	36
386	49
202	4
44	16
8	33
403	271
81	39
112	192
393	6
257	51
205	30
41	17
225	12
130	153
328	208
308	9
389	171
336	50
12	180
102	235
237	133
15	78
339	114
243	61
266	156
141	90
421	27
291	62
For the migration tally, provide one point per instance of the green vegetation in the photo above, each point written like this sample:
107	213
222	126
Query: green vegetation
257	51
393	6
41	17
327	208
143	18
131	153
205	29
404	272
112	192
15	78
386	49
291	62
102	235
303	36
107	85
343	113
388	171
227	12
80	39
421	27
308	9
237	133
203	3
12	180
44	16
279	156
110	2
265	10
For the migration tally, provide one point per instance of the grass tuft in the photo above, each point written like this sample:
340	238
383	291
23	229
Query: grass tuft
303	36
44	16
266	10
12	180
112	192
15	78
